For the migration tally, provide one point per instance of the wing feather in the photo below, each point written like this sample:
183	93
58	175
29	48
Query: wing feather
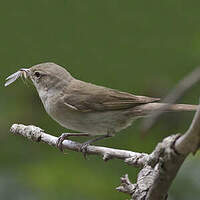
86	97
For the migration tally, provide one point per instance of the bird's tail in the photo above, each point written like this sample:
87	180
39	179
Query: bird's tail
149	107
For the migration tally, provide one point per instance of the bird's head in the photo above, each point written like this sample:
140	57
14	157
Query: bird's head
44	76
49	75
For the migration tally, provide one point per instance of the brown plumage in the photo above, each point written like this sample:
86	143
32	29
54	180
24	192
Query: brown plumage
85	107
87	97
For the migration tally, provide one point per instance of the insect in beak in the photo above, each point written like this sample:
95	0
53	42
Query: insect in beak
23	72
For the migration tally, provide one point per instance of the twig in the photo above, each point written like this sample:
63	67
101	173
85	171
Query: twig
126	186
158	168
190	141
173	96
175	151
36	134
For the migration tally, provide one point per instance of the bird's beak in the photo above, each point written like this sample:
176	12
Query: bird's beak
23	72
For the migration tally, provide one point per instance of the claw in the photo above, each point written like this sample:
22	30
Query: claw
83	149
65	136
60	140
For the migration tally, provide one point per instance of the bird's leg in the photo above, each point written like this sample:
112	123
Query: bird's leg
84	145
65	136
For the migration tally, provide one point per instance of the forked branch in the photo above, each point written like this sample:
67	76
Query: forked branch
158	169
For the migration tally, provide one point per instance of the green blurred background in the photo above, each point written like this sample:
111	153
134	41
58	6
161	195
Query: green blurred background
143	47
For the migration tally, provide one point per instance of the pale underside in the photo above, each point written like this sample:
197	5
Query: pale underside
92	109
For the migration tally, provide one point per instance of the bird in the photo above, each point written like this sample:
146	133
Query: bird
90	109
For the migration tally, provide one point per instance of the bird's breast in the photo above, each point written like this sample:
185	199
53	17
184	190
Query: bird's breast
94	123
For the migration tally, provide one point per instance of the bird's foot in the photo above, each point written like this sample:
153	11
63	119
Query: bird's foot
83	149
65	136
60	140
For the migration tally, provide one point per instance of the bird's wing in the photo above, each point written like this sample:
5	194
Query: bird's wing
86	97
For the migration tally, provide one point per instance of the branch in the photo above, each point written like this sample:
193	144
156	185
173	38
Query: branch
158	168
172	97
190	141
38	135
175	150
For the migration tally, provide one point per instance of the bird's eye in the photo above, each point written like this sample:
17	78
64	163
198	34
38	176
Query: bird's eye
37	74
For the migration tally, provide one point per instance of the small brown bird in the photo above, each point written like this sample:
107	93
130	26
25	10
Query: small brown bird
85	107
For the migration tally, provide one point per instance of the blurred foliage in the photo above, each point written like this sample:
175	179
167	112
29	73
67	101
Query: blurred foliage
143	47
